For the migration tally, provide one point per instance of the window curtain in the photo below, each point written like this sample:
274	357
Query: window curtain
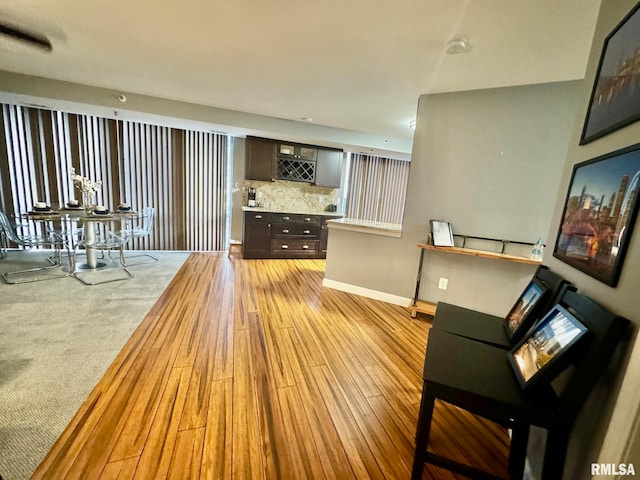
183	174
376	188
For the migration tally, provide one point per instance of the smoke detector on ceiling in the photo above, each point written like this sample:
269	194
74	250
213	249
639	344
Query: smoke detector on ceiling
456	46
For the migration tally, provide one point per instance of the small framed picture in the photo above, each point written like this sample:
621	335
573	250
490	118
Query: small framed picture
523	313
545	350
441	233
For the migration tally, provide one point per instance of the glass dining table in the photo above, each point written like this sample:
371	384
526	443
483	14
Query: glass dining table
60	220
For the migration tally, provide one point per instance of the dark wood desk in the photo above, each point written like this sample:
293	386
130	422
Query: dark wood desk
479	378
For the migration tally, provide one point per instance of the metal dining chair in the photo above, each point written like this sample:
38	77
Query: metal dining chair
27	239
103	240
139	227
4	243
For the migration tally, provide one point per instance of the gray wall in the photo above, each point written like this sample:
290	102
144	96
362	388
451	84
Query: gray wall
604	431
488	161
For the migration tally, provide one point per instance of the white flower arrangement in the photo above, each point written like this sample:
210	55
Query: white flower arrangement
85	184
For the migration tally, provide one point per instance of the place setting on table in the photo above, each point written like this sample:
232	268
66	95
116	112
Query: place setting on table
41	209
73	210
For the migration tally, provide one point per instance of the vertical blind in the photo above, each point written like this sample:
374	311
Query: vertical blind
376	188
183	174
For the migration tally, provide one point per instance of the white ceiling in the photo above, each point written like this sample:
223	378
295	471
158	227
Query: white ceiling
359	65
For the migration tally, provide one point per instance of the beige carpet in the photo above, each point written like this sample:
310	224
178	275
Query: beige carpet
57	338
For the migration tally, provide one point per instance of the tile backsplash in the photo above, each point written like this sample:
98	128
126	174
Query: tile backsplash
295	196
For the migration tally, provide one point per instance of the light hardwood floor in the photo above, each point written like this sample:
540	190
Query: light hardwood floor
251	369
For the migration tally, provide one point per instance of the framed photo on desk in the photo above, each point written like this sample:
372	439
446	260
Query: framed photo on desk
544	352
441	234
521	316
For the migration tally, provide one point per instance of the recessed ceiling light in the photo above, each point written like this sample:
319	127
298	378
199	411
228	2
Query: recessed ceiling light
456	45
307	119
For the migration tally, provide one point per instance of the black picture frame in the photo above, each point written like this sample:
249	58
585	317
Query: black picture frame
546	349
615	97
525	310
599	214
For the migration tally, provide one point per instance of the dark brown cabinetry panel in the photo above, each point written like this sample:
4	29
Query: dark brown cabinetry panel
329	168
296	218
284	230
294	248
260	159
324	236
296	151
256	238
267	159
284	235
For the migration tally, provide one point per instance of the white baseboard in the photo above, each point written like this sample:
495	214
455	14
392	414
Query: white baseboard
366	292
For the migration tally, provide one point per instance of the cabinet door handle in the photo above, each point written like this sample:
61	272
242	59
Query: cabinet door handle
305	247
285	231
306	232
286	218
258	216
307	219
285	247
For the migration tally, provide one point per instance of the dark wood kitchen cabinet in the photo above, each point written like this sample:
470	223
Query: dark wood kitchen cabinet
260	159
328	168
267	160
297	151
295	235
324	236
256	238
284	235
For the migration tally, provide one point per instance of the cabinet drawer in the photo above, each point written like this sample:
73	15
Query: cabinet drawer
295	229
296	246
262	217
296	218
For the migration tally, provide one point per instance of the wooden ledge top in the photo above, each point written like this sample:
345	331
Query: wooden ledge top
480	253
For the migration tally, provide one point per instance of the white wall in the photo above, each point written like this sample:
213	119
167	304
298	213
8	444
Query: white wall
490	162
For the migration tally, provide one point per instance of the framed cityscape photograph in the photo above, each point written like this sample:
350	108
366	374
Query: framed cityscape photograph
544	352
615	98
520	317
599	214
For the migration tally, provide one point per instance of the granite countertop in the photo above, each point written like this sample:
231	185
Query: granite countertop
293	211
367	226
